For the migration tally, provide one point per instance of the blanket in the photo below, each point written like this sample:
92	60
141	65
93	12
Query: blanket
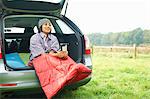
55	73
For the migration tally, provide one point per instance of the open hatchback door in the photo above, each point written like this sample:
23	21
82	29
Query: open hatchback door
33	6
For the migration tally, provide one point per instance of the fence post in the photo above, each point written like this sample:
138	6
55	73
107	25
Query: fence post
135	51
92	49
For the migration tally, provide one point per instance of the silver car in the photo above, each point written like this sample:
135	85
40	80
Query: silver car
18	22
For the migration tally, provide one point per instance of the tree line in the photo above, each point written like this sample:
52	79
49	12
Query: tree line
136	36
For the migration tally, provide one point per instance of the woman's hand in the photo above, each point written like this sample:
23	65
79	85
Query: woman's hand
60	54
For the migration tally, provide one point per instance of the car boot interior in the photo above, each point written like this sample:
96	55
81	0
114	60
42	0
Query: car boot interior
18	43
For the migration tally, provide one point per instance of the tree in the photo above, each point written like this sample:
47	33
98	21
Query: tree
146	36
137	36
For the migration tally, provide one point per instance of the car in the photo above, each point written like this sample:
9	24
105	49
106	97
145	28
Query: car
18	22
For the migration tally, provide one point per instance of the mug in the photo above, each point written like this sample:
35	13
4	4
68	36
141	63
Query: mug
64	47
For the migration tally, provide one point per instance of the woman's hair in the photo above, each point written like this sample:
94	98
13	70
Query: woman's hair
40	29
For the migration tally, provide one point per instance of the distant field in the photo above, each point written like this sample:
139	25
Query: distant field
116	75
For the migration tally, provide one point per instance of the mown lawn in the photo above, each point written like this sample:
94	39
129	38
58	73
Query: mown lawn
115	76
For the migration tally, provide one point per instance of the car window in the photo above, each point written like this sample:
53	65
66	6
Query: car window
64	27
14	30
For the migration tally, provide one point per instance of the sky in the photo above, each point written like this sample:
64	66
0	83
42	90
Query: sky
93	16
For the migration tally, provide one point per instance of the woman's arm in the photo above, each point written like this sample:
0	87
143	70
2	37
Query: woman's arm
36	47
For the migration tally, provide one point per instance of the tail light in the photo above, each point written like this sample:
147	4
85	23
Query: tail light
87	45
8	85
0	53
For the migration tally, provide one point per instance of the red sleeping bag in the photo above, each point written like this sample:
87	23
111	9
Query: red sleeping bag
55	73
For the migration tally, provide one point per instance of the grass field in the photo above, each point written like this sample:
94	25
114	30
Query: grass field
115	76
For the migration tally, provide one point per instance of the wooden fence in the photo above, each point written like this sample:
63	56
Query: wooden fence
127	49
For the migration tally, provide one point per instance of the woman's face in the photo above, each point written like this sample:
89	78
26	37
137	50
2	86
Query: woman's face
46	28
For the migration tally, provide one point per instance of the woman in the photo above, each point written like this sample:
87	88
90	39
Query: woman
54	68
45	42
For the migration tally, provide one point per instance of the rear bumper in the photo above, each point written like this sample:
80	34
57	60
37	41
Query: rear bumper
34	87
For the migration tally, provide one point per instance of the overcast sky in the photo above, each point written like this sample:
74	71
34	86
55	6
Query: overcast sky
109	15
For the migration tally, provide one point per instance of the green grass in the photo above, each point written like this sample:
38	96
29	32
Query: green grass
115	76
